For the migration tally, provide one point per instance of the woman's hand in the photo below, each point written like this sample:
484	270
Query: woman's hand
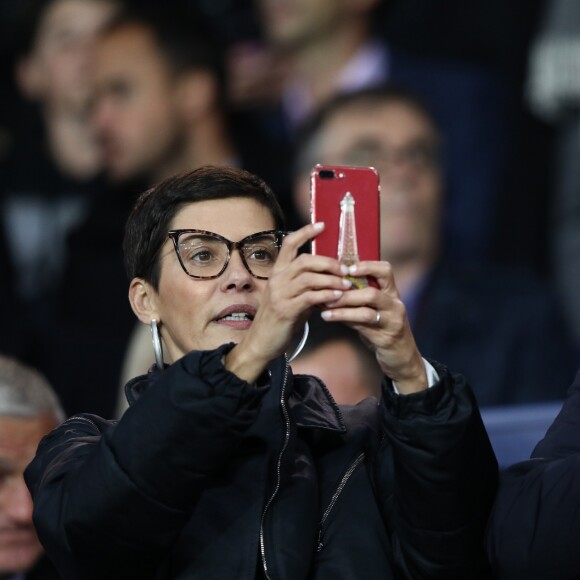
298	283
379	315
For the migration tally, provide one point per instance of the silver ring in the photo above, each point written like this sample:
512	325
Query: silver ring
378	318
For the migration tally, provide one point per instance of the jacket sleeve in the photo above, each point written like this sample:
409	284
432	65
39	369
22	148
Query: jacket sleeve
444	476
535	524
110	500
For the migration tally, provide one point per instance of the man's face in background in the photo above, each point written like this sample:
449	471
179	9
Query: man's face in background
136	113
400	142
19	438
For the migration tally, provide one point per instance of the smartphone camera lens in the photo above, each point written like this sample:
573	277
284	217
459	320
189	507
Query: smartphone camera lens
326	174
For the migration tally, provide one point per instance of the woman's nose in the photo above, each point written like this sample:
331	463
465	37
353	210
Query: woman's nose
236	275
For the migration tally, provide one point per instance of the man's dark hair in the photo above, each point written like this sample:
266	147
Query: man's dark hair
184	36
384	94
155	209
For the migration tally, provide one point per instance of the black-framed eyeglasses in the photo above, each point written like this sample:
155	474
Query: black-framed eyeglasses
204	254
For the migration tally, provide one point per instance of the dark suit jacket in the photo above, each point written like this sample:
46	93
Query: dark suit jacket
44	570
534	528
501	328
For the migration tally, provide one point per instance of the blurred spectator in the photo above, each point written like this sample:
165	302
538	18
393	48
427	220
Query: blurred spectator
329	48
335	354
158	106
535	522
29	409
50	173
157	110
498	327
554	94
50	176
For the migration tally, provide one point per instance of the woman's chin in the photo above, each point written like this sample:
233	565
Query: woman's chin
220	334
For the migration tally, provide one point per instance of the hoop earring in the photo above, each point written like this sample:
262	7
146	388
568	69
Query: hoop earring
301	343
157	348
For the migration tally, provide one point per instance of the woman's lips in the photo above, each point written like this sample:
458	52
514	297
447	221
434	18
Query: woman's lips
237	316
238	324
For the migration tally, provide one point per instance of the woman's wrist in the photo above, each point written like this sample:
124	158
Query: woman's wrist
244	364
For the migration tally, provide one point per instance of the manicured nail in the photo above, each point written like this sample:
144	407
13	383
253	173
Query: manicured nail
326	314
352	269
318	226
346	283
338	293
344	269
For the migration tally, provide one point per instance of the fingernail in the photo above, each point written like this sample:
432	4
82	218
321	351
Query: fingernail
338	293
344	269
352	269
318	226
346	283
326	315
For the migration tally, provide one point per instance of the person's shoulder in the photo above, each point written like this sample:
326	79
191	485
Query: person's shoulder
81	426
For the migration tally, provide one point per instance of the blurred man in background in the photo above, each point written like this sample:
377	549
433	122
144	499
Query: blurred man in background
29	409
499	327
333	47
158	102
157	110
335	354
49	176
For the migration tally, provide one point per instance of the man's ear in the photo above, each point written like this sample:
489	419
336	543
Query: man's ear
196	94
143	299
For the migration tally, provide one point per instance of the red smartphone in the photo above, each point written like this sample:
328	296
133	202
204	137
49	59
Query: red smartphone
329	184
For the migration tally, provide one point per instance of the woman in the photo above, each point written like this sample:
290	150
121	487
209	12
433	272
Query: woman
226	466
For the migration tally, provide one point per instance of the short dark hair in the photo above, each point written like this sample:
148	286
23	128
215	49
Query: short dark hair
383	94
150	219
183	35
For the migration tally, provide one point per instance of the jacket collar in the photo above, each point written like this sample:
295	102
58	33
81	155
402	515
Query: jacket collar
137	386
309	399
313	406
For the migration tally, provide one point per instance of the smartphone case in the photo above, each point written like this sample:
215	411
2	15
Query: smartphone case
328	186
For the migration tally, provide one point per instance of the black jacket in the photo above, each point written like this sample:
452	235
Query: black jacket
43	570
535	524
499	326
206	476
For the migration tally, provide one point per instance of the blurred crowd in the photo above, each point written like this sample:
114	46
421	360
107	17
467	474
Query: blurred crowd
456	105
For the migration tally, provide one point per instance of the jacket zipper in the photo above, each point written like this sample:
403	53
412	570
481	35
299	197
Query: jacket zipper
341	485
278	473
81	418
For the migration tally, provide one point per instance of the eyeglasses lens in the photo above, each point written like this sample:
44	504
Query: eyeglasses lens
204	256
